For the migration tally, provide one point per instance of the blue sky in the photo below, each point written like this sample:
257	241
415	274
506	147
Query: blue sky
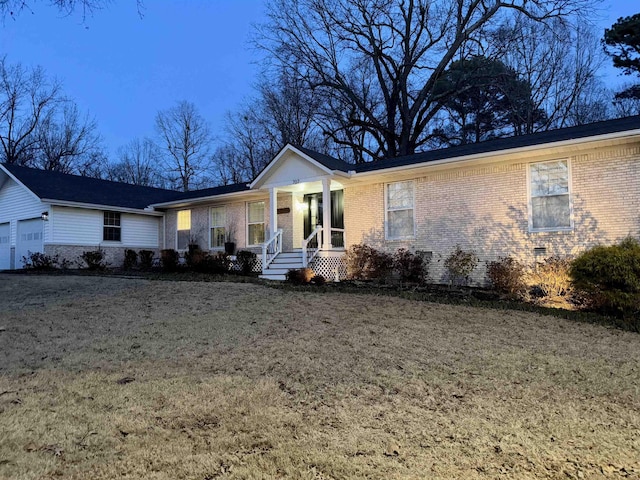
123	68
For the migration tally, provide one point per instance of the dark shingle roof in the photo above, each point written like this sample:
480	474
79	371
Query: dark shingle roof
210	192
73	188
326	160
551	136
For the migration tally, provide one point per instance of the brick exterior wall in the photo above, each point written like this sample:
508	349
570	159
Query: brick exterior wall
486	209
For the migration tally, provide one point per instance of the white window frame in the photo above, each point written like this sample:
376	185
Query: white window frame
569	193
212	226
264	224
386	210
177	230
105	225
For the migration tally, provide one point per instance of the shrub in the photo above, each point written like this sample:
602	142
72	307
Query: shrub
215	264
609	278
146	259
194	257
411	267
552	276
94	259
318	280
460	264
130	259
170	260
507	276
247	261
40	261
365	263
300	276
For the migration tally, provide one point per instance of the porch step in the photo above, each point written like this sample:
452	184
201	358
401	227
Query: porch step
284	262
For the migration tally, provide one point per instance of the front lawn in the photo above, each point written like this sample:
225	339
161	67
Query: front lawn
124	378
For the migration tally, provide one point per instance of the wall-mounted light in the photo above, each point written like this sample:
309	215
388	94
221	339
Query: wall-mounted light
44	216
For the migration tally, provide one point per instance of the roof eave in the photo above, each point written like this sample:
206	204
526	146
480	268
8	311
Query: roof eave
497	153
95	206
195	200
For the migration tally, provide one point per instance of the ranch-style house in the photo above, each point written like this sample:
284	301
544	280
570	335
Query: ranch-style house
550	193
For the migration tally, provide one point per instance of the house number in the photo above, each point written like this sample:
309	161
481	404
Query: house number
295	181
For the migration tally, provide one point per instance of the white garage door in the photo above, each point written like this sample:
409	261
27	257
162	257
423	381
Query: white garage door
29	239
5	246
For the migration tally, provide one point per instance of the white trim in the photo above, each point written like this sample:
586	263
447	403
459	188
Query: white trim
278	157
95	206
184	203
386	211
254	223
571	226
119	226
15	179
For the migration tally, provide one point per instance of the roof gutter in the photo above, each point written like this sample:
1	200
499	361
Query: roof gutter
187	201
94	206
496	153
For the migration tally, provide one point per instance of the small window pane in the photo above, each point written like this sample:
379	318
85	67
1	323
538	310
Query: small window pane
400	223
183	239
256	234
218	216
549	178
217	237
550	212
400	195
256	212
184	220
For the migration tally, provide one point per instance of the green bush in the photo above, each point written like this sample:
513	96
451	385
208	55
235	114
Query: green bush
366	263
460	264
130	259
247	261
146	259
94	259
507	276
318	280
609	279
217	264
170	260
552	276
411	267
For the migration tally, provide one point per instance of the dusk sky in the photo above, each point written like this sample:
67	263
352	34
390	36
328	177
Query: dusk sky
123	68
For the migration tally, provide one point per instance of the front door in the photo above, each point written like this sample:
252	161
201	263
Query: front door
313	215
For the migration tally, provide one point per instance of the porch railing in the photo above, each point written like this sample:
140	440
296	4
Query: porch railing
311	246
270	249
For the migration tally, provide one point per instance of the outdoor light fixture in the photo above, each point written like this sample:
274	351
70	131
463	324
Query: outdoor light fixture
44	216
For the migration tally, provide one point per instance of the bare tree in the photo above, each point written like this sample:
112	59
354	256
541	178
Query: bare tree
139	164
13	8
284	111
66	140
382	58
560	62
186	144
27	98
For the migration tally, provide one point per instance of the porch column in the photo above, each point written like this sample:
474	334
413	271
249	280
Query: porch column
273	209
326	214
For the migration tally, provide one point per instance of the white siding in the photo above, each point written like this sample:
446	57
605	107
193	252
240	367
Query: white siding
17	203
140	230
80	226
76	226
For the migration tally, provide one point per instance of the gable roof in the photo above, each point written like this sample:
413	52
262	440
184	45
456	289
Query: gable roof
76	189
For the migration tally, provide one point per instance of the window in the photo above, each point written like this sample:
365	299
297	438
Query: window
218	218
184	229
111	231
550	207
399	203
255	223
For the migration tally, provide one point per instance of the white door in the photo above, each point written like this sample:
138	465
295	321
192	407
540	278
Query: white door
5	246
28	239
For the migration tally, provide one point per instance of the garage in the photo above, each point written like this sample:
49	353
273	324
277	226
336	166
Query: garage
5	246
28	239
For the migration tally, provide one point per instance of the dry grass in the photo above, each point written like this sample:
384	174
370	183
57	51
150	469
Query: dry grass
242	381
